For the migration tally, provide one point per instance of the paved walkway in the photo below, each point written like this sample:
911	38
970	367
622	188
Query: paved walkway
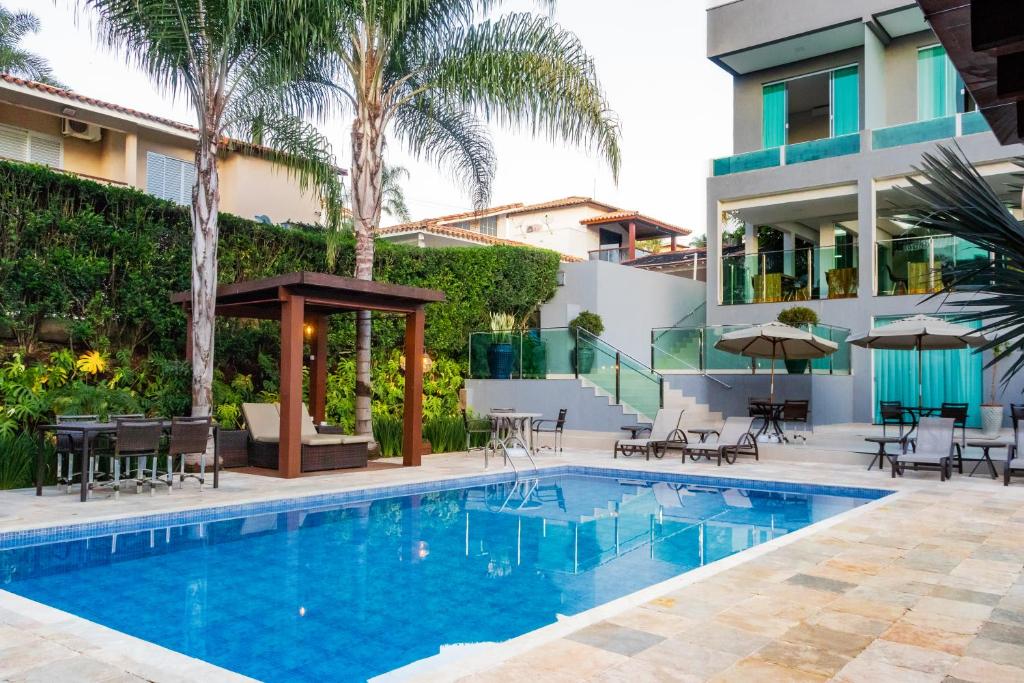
924	586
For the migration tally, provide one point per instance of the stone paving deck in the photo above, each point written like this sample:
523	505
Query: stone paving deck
922	586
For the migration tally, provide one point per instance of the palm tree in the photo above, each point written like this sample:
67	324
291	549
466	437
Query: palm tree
14	60
432	73
393	196
952	197
250	71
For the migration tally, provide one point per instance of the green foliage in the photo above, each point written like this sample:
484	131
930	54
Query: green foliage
104	260
591	322
446	434
17	457
387	431
798	316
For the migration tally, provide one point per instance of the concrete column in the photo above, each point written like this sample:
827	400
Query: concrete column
131	160
867	214
873	79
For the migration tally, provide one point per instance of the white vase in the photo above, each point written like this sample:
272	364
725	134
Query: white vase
991	421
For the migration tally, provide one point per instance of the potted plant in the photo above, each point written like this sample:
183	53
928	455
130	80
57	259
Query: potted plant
802	317
500	355
992	412
583	356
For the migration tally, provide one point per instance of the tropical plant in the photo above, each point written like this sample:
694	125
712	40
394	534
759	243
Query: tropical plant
17	455
502	325
587	321
393	196
435	73
952	197
251	71
798	316
14	59
699	241
387	432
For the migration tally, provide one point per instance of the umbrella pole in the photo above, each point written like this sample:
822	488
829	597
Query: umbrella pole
771	392
920	376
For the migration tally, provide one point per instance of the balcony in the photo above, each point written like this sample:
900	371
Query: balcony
614	254
793	275
968	123
924	265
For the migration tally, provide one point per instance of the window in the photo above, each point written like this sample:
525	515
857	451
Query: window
940	90
811	107
169	178
489	225
36	148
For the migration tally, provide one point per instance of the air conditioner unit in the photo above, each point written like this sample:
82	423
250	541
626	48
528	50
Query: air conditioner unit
82	130
536	227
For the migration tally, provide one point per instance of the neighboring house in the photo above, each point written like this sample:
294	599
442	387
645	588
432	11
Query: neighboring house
576	227
113	144
688	263
834	103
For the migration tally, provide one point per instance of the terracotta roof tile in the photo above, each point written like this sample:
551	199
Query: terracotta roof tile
617	216
562	203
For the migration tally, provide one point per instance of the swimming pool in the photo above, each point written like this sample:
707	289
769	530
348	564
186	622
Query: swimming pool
349	586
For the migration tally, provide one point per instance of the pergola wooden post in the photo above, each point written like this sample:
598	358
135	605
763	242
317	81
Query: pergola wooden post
298	299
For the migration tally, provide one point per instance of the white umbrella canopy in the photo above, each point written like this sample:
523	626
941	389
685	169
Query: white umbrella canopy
776	340
920	333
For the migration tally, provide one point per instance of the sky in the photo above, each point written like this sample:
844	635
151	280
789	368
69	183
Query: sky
674	108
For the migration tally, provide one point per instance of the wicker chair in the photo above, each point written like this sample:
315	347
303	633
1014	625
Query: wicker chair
189	436
323	448
69	444
135	439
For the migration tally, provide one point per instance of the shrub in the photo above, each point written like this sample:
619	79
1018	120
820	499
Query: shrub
591	322
798	316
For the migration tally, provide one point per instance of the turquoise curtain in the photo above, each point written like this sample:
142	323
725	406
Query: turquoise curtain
949	377
773	129
845	101
936	84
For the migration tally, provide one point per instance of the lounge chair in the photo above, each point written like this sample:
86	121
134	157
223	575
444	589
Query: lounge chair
736	439
936	448
323	448
664	433
1014	456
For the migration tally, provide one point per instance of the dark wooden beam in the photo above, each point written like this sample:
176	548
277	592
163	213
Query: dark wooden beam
318	368
1010	76
290	445
997	25
412	432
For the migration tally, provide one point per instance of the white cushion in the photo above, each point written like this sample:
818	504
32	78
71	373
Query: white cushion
347	439
263	421
322	439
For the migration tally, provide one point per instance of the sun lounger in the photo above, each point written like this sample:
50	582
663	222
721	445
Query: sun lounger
1014	455
936	448
662	435
323	448
736	439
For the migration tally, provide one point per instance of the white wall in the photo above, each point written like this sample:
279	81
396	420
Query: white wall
630	301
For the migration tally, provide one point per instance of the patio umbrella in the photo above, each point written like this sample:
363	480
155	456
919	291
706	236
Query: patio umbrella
775	340
923	333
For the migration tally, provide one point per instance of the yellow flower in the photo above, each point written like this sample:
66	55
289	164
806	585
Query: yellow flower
91	362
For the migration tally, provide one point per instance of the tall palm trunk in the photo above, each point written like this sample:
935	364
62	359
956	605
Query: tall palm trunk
367	183
205	207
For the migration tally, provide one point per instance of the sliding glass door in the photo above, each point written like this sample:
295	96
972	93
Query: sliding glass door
773	129
937	84
816	106
845	85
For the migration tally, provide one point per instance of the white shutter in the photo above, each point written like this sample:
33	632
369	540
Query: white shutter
46	150
188	179
169	178
155	174
13	143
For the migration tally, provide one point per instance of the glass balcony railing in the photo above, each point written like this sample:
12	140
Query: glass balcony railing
692	349
967	123
624	378
924	265
794	275
615	254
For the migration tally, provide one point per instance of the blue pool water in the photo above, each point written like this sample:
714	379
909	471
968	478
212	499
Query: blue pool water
350	590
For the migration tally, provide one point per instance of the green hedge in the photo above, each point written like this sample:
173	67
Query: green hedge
105	259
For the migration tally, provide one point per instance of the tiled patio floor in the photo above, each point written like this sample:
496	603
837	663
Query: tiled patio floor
925	586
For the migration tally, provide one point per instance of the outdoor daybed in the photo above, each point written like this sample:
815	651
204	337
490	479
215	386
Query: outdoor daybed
323	448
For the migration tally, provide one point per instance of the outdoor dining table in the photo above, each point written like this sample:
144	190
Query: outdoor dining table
518	424
89	431
985	445
771	413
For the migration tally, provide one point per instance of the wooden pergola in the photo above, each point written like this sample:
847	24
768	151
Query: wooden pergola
302	302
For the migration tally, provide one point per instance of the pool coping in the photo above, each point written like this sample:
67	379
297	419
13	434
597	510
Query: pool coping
476	657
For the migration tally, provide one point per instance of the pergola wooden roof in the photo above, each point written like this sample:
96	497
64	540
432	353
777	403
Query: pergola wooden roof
304	298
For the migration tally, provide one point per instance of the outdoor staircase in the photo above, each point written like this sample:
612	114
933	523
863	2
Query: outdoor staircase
696	413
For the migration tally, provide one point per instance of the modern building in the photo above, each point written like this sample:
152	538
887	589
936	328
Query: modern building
113	144
834	103
579	228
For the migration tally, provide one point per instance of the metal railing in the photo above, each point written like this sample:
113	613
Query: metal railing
546	353
924	265
614	254
692	350
790	275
